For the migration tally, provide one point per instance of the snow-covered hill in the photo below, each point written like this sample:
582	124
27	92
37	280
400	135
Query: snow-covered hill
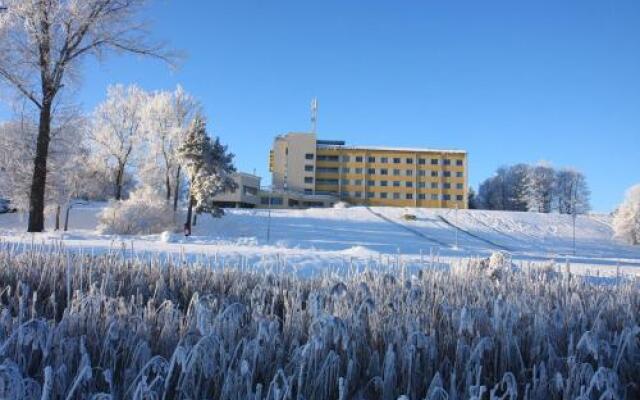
321	238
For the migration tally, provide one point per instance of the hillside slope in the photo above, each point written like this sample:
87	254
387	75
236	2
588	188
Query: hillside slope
307	237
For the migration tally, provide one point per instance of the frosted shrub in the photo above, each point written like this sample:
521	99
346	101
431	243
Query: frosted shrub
74	326
626	221
143	213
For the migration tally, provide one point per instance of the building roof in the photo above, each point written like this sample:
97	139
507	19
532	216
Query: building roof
399	149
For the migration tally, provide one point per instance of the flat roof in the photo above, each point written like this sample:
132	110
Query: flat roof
399	149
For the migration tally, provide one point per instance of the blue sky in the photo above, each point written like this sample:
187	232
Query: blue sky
508	81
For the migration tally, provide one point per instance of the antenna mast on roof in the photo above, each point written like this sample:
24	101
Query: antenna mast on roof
314	115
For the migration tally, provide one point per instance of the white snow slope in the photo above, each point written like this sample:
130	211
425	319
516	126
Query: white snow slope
308	241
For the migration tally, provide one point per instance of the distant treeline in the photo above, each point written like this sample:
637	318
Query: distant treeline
538	188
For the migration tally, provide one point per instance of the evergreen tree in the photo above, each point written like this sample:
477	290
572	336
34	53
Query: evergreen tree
208	166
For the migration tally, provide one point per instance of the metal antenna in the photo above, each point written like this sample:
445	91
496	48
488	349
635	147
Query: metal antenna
314	114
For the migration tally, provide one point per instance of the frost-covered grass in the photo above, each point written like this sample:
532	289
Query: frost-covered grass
76	326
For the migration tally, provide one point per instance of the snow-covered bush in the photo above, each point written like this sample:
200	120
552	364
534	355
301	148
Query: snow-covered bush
143	213
626	222
341	204
78	326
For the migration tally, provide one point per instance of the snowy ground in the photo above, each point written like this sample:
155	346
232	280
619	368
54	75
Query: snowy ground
307	241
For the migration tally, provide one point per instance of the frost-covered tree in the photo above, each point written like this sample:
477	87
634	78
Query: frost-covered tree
165	123
626	221
540	188
506	190
118	132
571	192
17	150
42	45
208	166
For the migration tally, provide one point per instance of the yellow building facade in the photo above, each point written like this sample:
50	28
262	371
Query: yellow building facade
375	176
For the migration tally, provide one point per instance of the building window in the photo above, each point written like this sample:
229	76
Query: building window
383	183
249	190
384	171
345	182
358	170
409	160
308	191
358	182
459	197
327	170
308	156
328	158
326	181
357	194
308	168
434	185
446	174
446	185
459	163
383	195
422	196
434	161
345	158
446	197
370	195
409	196
396	196
409	172
408	184
459	174
371	171
422	172
434	197
434	173
345	170
371	159
396	160
447	161
275	201
422	185
422	161
371	183
396	183
358	158
396	172
384	160
308	179
459	186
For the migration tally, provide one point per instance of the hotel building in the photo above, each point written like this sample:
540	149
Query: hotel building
363	175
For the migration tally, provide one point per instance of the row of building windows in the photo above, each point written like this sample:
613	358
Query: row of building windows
358	182
407	196
384	171
386	160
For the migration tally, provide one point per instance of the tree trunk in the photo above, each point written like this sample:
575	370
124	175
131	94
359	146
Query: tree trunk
187	225
66	217
119	178
167	183
57	218
195	219
176	191
39	181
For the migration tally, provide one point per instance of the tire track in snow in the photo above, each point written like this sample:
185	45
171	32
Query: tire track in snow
473	235
508	236
406	228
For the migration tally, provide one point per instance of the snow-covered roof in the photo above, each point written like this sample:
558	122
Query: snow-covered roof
400	149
